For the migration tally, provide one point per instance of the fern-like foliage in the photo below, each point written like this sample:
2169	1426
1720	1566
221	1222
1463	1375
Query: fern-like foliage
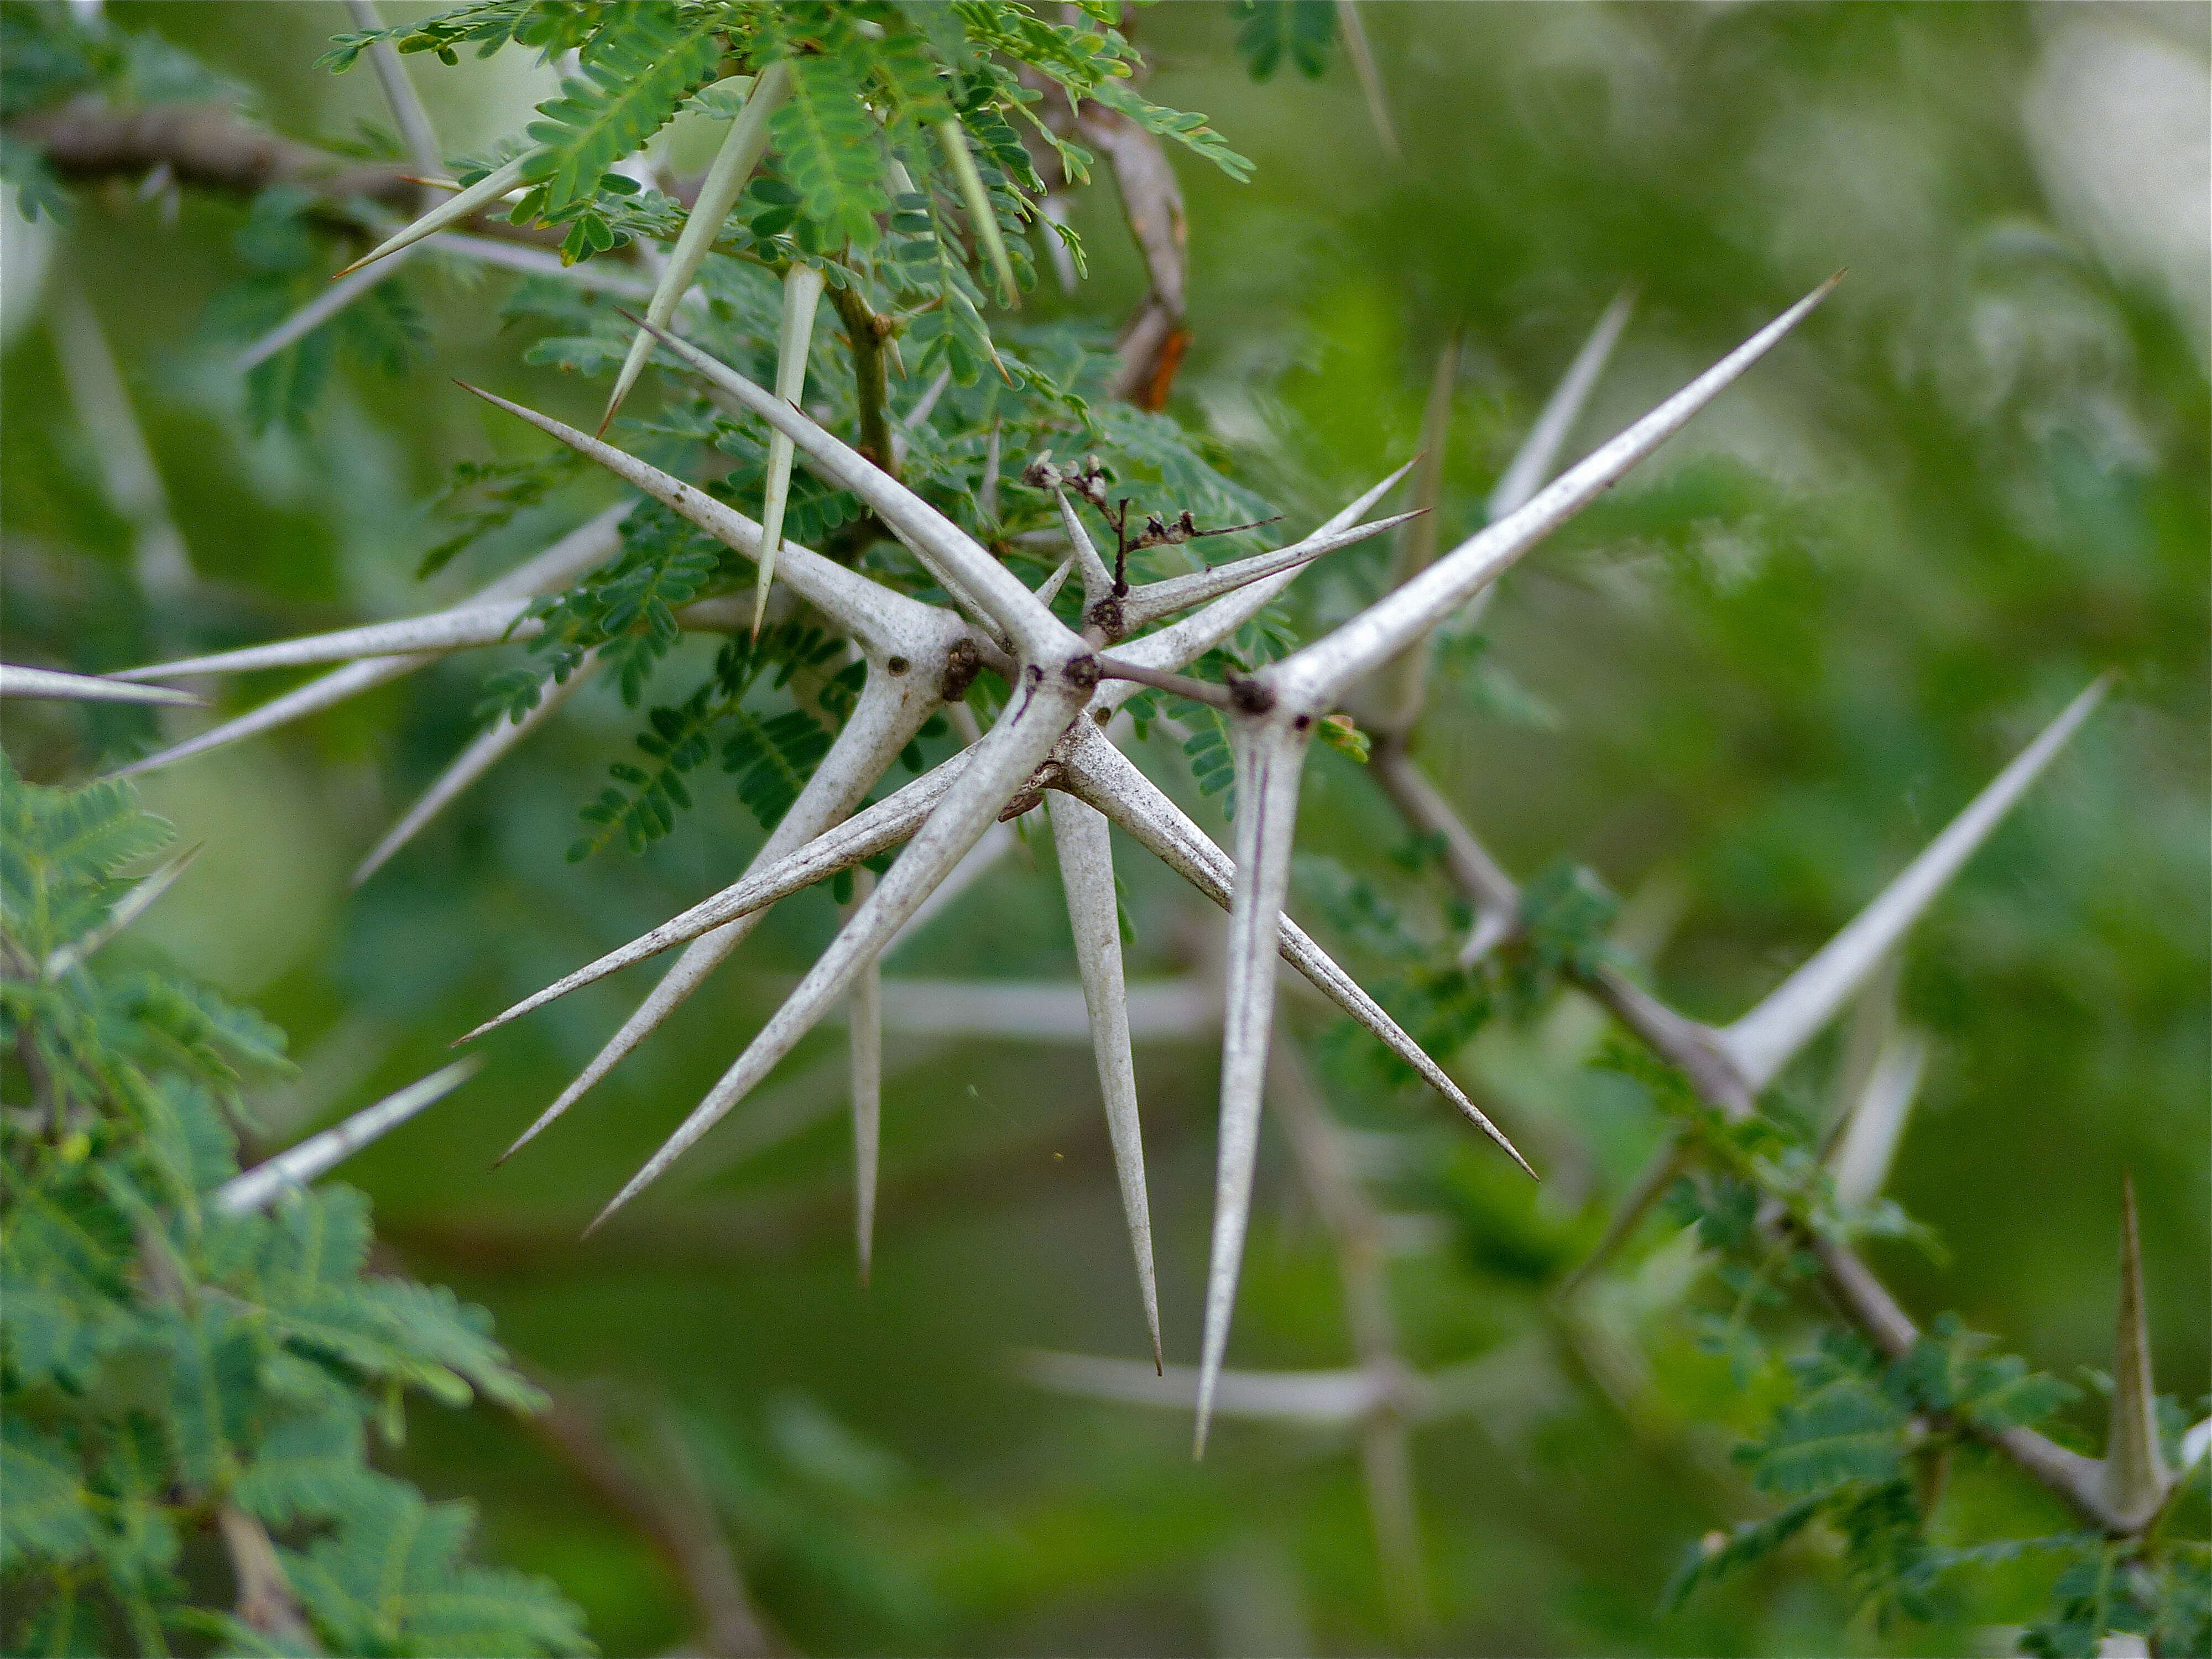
643	64
163	1361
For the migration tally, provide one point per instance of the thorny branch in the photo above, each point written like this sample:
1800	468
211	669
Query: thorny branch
1687	1046
674	1517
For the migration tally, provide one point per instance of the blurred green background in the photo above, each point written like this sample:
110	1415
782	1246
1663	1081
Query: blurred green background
1745	687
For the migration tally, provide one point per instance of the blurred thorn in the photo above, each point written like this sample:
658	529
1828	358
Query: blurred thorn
342	293
489	748
1867	1146
1336	1399
413	121
1400	687
126	910
864	1012
1371	77
1767	1038
257	1186
159	558
2136	1480
1533	463
441	210
1084	840
1667	1162
53	685
1386	1461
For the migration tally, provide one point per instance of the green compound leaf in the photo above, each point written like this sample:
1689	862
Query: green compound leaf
643	65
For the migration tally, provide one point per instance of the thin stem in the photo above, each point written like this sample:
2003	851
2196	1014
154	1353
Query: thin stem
866	332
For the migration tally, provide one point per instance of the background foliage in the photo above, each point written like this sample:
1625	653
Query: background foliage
1741	691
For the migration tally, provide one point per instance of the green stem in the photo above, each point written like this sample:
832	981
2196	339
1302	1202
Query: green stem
865	330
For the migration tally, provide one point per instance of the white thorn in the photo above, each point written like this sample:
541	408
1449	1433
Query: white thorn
2136	1480
881	619
126	910
1533	462
1098	579
321	1153
1269	757
997	767
316	695
1861	1163
1084	842
888	715
452	210
51	683
1100	773
1184	642
489	748
1767	1038
590	543
464	626
864	1016
1163	599
770	879
802	293
741	150
1313	677
946	549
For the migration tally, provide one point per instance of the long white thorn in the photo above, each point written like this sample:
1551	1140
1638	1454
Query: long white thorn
1269	758
1030	1011
488	749
413	121
1394	700
1863	1154
884	722
1314	676
1084	842
321	1153
863	1037
997	768
591	277
342	293
2136	1480
1311	1399
802	294
1100	773
876	615
1371	77
1767	1038
464	626
1098	579
770	879
945	549
295	704
741	150
125	910
1163	599
452	211
51	683
1538	453
590	543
